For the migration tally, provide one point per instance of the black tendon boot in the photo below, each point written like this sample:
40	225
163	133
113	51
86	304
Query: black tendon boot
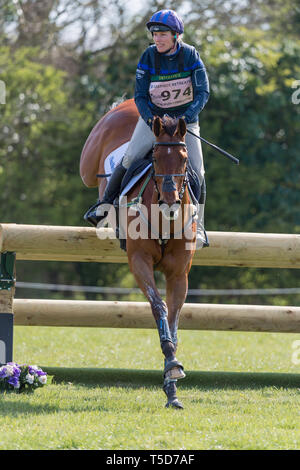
95	214
170	390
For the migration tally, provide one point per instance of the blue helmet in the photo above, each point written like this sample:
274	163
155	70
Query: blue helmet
165	20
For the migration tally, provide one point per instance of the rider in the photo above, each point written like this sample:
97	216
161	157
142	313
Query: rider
170	79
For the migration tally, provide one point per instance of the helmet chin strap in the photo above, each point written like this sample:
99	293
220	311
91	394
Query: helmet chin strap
174	45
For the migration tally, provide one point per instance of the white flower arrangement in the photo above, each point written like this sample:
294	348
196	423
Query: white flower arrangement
21	378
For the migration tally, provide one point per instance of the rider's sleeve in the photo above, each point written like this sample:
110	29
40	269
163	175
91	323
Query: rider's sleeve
200	87
142	83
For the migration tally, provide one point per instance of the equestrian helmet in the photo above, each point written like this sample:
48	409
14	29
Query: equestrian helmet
165	20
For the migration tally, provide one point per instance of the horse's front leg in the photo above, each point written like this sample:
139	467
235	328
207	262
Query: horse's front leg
176	267
176	294
141	265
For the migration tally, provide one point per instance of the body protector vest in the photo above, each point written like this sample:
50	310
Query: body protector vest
171	91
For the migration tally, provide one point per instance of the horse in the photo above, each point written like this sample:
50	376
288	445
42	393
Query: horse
166	188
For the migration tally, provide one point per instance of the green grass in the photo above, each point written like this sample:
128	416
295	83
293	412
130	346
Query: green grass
241	392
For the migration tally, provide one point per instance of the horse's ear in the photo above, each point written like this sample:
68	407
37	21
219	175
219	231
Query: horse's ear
157	126
181	128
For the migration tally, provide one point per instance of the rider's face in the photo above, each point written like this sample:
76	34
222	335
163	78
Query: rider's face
164	40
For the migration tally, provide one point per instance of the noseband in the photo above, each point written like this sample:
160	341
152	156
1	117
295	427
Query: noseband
168	183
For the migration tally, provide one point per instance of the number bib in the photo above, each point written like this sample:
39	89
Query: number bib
171	93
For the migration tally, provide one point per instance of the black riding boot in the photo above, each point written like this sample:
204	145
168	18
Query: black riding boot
94	215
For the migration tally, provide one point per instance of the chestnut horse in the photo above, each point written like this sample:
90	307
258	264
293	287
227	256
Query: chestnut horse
167	188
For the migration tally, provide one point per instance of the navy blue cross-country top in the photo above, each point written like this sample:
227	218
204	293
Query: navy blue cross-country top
175	84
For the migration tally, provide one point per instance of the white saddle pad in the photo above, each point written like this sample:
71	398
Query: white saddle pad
114	158
112	161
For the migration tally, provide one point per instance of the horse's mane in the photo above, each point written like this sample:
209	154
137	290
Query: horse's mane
118	101
170	124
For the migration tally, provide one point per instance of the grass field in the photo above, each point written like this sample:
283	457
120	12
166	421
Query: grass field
241	392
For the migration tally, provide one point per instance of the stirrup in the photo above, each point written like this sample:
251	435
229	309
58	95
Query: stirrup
91	215
201	236
201	241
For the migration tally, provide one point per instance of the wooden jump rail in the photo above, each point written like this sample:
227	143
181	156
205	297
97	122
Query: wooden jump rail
114	314
60	243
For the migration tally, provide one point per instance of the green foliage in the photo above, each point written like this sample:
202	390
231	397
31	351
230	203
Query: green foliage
34	98
251	114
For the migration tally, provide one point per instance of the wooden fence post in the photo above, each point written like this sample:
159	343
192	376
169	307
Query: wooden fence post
7	290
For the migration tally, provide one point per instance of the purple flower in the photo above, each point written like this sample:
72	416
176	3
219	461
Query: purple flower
12	364
14	381
3	371
13	369
40	372
34	370
16	376
17	372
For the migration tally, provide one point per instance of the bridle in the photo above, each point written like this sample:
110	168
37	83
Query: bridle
168	182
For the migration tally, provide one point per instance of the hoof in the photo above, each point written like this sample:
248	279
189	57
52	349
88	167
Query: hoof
175	373
175	404
173	370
